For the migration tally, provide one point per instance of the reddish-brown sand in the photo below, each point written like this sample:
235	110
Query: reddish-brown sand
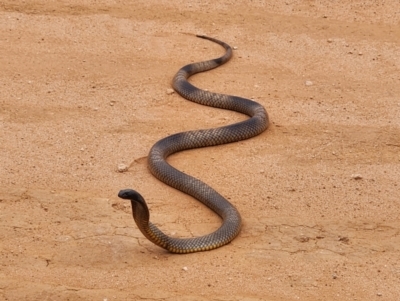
83	88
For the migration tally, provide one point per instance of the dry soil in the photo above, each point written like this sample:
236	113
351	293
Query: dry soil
83	88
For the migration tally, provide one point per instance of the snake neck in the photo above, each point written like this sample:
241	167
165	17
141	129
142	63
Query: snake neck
141	215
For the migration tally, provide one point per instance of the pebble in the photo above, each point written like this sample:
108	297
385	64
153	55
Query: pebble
122	167
330	40
185	268
170	91
356	176
235	47
308	83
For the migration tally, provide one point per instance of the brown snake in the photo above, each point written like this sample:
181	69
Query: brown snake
231	220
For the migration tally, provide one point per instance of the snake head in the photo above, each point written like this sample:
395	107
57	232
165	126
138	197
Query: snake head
129	194
140	210
134	196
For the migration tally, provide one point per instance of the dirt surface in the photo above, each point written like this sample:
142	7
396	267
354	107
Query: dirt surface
84	89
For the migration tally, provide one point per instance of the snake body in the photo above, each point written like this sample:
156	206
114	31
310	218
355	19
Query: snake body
159	167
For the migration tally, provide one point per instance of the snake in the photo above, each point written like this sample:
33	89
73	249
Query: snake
162	170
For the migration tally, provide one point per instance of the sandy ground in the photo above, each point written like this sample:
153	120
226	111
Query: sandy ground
84	88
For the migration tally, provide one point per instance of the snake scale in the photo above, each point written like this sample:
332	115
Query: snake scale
231	220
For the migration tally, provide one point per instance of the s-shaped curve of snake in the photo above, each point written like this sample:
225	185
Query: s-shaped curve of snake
159	167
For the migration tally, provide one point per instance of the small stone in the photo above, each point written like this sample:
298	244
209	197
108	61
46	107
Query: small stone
170	91
379	294
308	83
356	176
360	53
235	47
185	268
334	276
122	167
330	40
